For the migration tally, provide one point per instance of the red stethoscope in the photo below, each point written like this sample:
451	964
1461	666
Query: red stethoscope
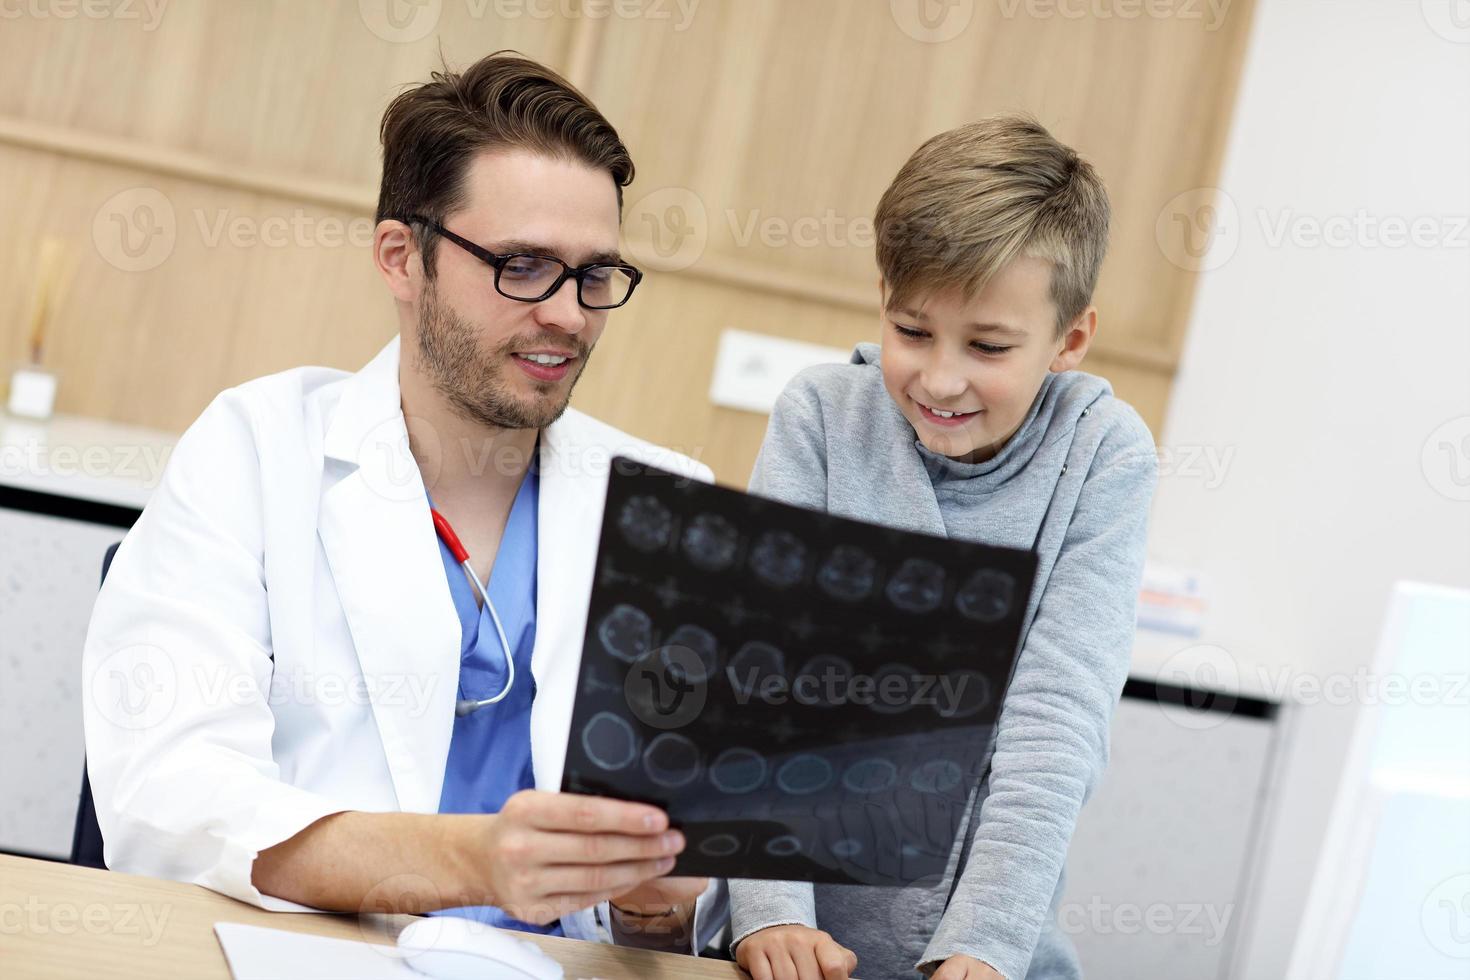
451	541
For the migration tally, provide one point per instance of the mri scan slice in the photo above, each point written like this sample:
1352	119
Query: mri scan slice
626	632
609	741
779	559
936	776
671	760
986	596
805	773
848	573
738	770
646	523
823	681
964	694
917	586
710	542
753	663
783	846
719	845
691	654
895	689
871	775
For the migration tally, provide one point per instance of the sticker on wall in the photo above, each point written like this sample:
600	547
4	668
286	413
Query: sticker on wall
808	696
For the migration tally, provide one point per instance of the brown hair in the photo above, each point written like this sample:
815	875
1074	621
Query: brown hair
971	200
432	131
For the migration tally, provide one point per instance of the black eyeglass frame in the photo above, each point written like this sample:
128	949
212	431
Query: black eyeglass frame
497	262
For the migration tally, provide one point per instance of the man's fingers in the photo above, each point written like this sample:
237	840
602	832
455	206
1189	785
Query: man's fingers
603	879
567	904
561	847
584	814
546	910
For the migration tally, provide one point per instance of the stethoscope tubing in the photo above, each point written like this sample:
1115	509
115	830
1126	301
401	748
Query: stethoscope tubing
463	707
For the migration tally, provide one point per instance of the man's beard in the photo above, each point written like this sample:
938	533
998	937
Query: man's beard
474	382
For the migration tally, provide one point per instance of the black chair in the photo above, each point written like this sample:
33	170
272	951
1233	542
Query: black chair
86	838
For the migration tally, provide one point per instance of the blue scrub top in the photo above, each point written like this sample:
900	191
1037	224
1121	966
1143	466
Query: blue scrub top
490	751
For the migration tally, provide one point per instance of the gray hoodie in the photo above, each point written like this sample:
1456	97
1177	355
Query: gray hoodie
1075	482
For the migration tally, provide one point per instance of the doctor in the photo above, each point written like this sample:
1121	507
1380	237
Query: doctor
275	660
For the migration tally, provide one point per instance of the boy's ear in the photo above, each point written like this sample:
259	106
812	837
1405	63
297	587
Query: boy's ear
1075	341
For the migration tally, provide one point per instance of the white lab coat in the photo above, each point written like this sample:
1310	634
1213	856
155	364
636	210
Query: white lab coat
276	641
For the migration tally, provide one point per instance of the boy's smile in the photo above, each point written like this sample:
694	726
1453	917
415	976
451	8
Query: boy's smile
945	419
965	373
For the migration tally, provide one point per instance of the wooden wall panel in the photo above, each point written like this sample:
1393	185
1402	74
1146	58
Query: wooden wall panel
266	111
257	112
211	309
280	85
816	107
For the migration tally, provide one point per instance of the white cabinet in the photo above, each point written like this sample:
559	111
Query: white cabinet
1157	872
69	488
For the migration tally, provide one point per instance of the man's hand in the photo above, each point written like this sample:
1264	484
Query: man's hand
544	855
549	854
966	968
659	895
794	953
659	914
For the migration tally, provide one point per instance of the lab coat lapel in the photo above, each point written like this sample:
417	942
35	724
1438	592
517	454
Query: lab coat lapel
569	523
379	540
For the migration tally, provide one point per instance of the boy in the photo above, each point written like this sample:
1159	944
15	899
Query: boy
970	420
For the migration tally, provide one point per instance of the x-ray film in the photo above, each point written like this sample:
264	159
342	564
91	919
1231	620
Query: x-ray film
808	696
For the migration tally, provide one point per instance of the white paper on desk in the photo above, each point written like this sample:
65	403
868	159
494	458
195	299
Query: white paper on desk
258	953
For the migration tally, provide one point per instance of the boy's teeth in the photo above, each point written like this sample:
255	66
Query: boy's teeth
551	360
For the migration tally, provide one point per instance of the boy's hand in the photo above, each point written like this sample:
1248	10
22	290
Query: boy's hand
966	968
794	953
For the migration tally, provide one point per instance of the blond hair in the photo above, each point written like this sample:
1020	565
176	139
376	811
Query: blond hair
973	199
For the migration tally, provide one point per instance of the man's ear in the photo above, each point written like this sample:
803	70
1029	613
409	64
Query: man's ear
1075	341
396	254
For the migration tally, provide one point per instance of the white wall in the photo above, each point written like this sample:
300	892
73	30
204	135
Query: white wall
1321	375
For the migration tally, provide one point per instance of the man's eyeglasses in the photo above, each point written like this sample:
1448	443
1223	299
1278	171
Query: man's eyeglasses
532	278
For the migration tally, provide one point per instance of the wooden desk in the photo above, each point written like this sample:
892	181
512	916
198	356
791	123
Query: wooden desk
61	921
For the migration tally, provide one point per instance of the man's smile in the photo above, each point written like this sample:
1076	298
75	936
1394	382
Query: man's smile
545	365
